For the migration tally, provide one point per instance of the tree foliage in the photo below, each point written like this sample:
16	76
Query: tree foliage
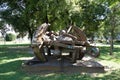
26	15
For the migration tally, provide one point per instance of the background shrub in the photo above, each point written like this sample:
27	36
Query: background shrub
10	37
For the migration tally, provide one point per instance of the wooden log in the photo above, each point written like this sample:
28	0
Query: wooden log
39	52
37	44
59	44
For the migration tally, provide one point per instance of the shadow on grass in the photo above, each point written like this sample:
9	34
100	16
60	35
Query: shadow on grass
114	75
12	71
14	52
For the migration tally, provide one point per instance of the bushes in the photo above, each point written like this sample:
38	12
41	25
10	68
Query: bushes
10	37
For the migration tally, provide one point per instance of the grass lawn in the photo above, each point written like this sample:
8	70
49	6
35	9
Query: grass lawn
11	57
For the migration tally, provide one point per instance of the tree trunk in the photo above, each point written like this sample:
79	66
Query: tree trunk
111	43
30	34
113	24
46	15
92	39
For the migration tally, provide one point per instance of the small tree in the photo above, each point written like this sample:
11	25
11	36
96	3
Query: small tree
112	22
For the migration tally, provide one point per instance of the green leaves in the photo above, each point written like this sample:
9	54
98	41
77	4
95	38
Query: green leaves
26	15
92	14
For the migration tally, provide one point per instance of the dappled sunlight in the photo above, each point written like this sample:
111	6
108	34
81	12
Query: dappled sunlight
111	75
15	59
109	65
26	78
8	73
50	74
117	46
1	52
104	51
108	57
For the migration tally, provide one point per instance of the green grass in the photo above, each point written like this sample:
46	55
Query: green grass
105	54
12	45
11	59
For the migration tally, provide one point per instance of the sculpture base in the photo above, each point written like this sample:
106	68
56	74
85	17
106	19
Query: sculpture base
63	65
